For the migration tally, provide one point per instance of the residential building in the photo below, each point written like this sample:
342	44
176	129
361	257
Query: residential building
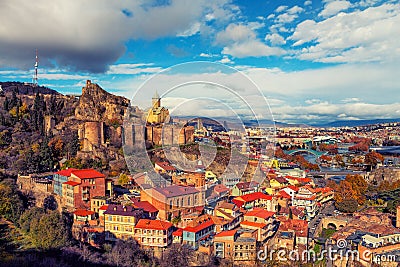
256	199
120	221
59	178
174	200
243	188
261	220
153	233
198	233
235	245
306	199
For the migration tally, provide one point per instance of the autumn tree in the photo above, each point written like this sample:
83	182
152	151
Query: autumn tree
372	158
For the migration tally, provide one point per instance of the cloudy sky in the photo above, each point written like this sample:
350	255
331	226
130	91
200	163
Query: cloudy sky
314	61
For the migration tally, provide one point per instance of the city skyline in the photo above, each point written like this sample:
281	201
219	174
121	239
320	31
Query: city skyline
315	61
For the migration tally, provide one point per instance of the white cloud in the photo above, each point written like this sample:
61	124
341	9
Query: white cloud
285	18
275	39
351	100
241	41
360	36
252	48
207	55
281	8
235	33
226	60
332	8
133	69
307	2
271	16
295	10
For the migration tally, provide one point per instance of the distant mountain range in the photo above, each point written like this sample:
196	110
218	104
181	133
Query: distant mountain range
353	123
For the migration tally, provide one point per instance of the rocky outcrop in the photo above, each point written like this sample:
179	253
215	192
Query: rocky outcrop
95	104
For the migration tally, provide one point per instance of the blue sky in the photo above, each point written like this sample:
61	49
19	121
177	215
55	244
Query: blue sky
315	61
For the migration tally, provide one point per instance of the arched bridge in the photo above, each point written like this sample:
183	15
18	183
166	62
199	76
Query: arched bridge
309	151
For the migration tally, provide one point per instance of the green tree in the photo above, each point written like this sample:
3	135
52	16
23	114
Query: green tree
347	205
50	232
11	204
123	179
27	218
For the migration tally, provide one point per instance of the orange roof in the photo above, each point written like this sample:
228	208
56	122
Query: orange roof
253	224
104	207
178	232
300	180
83	213
254	196
294	188
199	227
87	174
260	213
153	224
305	198
283	194
66	172
226	233
72	183
166	166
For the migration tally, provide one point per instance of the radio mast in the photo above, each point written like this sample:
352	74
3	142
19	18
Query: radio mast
35	76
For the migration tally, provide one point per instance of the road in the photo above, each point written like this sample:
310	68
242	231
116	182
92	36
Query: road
327	210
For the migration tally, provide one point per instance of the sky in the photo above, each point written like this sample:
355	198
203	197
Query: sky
314	61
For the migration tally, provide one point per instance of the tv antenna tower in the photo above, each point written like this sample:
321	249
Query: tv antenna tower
35	76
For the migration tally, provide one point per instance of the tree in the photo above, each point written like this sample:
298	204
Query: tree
348	205
72	145
177	255
28	217
123	179
11	204
50	203
372	158
50	231
128	253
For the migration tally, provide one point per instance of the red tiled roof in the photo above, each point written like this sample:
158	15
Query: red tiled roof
305	198
71	183
153	224
260	213
87	174
253	224
254	196
166	166
145	205
83	213
220	188
294	188
199	227
66	172
226	233
104	207
246	185
284	194
178	232
238	202
299	179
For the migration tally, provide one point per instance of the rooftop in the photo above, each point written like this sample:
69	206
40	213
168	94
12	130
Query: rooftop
176	190
87	174
153	224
